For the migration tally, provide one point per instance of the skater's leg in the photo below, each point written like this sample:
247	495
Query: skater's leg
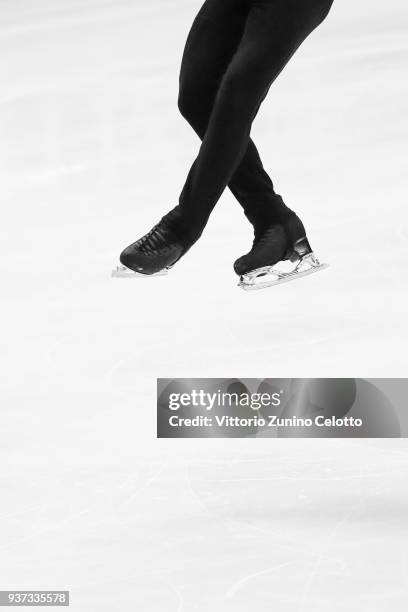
273	31
211	45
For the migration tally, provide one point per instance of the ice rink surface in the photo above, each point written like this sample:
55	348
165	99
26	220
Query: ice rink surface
91	501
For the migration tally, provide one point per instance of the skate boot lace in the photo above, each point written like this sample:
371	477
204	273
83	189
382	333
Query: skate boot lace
156	239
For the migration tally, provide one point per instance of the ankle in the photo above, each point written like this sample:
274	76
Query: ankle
260	220
185	228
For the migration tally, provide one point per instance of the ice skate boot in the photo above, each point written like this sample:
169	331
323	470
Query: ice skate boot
281	253
153	254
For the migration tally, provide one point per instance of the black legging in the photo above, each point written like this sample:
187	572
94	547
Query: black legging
234	52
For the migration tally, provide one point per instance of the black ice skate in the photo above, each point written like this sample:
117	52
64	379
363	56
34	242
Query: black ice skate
153	254
279	254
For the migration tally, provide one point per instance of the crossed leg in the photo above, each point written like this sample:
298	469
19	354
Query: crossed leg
236	49
234	52
211	45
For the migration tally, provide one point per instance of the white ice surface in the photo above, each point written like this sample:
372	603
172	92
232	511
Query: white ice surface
90	501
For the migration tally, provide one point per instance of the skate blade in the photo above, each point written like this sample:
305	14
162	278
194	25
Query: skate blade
271	275
123	272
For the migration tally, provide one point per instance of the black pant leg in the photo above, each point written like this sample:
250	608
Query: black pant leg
212	42
274	29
